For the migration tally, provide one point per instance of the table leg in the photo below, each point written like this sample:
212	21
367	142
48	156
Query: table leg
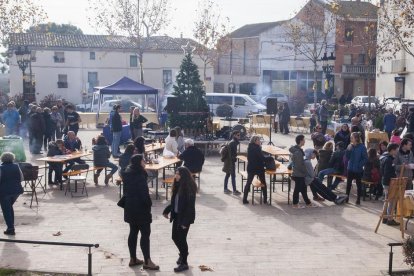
289	187
156	185
45	174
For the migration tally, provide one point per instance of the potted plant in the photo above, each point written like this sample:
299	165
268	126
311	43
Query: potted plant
408	251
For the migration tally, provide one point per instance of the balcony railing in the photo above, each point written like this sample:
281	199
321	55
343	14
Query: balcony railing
359	69
62	84
398	66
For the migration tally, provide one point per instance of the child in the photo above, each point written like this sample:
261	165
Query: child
395	137
315	184
336	166
101	156
55	148
388	172
372	171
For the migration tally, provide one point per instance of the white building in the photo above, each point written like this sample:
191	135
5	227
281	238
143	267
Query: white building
69	66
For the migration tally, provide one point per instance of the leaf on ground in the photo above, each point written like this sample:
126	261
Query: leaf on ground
57	234
205	268
108	255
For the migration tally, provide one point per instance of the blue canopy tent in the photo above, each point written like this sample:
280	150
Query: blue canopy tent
126	86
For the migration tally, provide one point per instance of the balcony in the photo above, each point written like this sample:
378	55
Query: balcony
358	70
59	59
62	84
398	66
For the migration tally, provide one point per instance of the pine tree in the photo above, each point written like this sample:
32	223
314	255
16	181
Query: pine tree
190	95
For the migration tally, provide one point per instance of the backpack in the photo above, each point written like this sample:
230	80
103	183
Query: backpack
224	150
270	163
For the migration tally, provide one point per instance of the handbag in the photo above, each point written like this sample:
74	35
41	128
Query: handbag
121	202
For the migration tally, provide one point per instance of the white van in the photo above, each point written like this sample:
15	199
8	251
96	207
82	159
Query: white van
241	104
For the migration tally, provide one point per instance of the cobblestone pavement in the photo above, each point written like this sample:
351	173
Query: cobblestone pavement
227	236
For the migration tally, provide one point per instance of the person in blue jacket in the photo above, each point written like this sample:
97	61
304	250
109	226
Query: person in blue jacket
11	119
10	189
357	156
389	122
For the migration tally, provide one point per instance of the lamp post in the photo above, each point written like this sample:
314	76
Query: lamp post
24	60
328	65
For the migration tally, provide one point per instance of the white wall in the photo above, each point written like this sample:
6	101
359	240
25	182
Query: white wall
110	66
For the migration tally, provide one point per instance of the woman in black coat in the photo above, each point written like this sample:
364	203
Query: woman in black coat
182	210
255	166
10	189
137	211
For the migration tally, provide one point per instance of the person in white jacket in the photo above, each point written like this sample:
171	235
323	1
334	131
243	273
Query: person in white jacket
315	184
171	146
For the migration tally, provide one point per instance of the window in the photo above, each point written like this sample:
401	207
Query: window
239	101
361	59
218	87
59	57
92	80
92	55
349	33
62	81
222	100
167	79
348	59
133	61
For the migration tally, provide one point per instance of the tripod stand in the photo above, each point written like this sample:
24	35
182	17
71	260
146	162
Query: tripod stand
270	130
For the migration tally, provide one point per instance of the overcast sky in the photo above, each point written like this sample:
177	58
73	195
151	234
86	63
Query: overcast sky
183	13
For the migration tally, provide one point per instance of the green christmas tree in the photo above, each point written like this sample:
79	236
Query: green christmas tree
192	109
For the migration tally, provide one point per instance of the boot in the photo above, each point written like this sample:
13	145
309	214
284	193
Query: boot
150	265
95	178
107	178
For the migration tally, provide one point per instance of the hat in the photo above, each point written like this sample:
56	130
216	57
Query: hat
309	152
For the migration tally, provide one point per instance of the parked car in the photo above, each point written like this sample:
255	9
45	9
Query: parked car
108	106
363	101
91	105
241	104
281	98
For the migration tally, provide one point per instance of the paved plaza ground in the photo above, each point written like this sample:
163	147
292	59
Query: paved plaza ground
227	236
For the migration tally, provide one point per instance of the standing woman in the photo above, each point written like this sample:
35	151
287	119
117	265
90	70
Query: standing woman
137	121
137	211
10	189
255	166
182	209
357	156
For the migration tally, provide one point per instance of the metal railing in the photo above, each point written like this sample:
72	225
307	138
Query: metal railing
391	244
358	69
398	66
62	244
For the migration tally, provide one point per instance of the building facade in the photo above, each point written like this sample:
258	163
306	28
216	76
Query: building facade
70	66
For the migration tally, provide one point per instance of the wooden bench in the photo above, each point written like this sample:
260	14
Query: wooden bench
168	182
243	178
257	187
241	159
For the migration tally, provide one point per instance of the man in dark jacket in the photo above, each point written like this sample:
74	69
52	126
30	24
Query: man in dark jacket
323	115
72	119
193	157
230	159
390	121
388	172
336	165
116	128
255	166
36	131
72	145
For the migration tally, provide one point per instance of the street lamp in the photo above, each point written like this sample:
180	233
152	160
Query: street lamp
328	65
24	60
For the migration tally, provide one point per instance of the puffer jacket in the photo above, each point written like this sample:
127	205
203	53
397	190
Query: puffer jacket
298	164
357	157
324	157
101	155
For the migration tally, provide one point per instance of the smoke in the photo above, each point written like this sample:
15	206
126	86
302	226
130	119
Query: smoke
263	90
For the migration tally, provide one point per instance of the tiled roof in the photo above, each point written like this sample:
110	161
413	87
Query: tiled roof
50	40
358	9
253	30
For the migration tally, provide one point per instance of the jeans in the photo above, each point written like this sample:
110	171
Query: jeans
250	177
351	176
300	187
179	236
233	177
70	164
6	203
111	165
318	188
144	242
328	171
116	140
390	203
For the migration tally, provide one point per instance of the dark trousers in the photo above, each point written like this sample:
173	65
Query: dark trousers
284	127
318	188
46	139
179	236
57	168
70	164
275	126
6	203
250	177
233	178
300	187
324	125
144	242
351	176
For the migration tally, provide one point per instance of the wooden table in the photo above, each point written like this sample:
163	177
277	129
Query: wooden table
378	135
154	147
277	152
61	159
283	171
162	164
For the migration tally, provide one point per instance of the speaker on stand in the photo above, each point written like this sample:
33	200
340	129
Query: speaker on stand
172	105
271	109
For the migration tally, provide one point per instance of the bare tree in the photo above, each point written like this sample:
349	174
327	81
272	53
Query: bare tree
210	31
137	19
308	33
396	22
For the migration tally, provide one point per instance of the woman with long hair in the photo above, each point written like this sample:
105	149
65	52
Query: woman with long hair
139	143
125	158
343	135
182	213
137	211
357	156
